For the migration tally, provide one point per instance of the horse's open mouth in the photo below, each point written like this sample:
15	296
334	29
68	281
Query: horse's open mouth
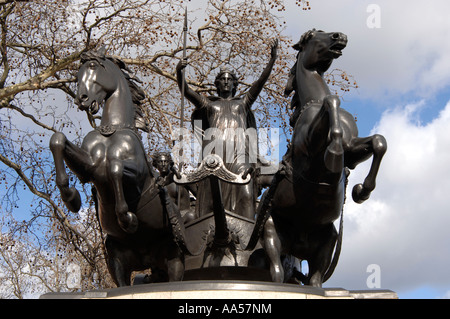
336	48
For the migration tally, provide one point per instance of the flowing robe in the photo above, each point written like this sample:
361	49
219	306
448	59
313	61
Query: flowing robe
229	130
233	120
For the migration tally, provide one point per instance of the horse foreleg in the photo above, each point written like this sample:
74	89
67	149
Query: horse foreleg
334	154
377	146
70	195
127	220
272	247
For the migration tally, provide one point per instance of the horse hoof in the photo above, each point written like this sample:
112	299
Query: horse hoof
358	194
129	223
73	201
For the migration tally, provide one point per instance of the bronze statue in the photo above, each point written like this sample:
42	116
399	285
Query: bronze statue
307	194
164	163
139	209
230	117
133	210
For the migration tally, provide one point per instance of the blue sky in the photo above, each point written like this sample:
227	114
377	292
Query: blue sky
403	71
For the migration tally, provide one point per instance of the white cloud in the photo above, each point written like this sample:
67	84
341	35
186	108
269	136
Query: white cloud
403	227
446	295
410	52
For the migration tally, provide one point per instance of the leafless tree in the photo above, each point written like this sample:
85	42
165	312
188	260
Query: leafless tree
40	45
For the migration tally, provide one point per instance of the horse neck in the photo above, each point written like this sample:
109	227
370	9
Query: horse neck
310	84
119	108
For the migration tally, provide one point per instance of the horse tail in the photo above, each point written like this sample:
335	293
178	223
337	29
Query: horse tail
337	250
263	215
264	211
305	279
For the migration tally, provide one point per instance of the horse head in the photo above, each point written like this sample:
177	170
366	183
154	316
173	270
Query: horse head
100	76
319	48
95	81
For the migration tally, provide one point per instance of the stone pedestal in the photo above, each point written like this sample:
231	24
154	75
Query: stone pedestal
224	290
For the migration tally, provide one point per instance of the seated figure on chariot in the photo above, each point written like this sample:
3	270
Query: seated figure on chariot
228	129
164	163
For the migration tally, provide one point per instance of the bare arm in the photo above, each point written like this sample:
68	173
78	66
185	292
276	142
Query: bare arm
198	100
258	85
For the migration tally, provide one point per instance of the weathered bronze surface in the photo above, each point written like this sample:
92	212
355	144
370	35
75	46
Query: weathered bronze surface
132	207
230	117
208	224
307	195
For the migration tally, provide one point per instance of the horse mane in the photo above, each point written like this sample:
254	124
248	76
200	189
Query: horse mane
304	39
137	93
291	83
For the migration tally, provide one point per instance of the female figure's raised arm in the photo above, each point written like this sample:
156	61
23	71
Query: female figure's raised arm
258	85
198	100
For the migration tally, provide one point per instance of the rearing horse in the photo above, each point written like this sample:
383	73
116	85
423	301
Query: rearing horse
135	213
308	195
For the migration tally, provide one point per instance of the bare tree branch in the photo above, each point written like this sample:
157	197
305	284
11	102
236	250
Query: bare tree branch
38	82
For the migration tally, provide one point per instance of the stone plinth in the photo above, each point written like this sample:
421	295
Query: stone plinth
224	290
